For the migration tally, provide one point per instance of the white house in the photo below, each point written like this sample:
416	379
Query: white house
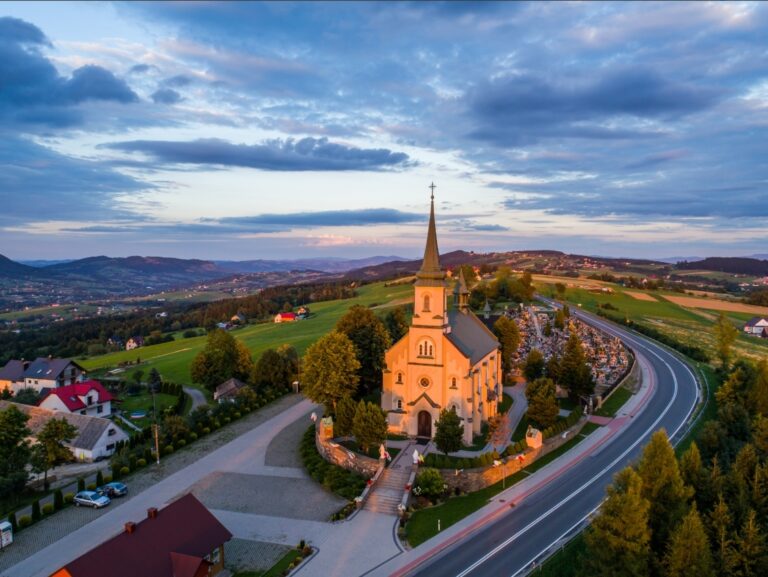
757	326
88	398
47	372
96	437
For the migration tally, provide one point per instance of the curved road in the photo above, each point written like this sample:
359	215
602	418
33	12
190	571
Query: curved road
511	544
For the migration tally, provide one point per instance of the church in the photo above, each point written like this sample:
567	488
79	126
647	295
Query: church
447	359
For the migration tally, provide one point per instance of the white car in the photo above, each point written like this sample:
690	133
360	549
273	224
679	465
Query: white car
91	499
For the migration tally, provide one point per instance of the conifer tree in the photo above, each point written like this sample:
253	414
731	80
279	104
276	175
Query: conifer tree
725	335
663	486
542	402
749	554
507	332
533	367
449	432
618	539
692	470
759	392
720	534
575	374
369	425
689	552
345	415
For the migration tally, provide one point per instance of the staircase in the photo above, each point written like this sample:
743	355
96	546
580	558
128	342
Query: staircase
388	490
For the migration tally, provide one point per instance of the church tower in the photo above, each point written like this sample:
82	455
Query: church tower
430	305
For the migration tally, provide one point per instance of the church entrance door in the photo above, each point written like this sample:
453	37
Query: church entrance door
424	424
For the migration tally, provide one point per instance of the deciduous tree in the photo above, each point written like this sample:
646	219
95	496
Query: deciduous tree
50	446
533	367
725	336
369	425
396	323
330	369
222	358
507	332
449	432
371	341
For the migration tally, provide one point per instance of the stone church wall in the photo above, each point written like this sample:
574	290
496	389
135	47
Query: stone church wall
343	457
470	480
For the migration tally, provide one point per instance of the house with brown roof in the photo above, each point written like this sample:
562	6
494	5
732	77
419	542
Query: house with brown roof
47	372
227	391
12	375
181	540
96	437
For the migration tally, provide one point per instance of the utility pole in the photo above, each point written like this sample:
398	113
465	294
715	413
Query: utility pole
155	428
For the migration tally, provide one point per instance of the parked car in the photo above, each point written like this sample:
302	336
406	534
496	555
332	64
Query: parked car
113	489
91	499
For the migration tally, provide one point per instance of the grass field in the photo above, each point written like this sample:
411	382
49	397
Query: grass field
173	359
144	403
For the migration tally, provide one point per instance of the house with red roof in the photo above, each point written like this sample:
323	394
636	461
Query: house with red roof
182	540
285	317
87	398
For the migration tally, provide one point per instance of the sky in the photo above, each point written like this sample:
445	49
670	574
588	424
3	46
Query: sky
236	131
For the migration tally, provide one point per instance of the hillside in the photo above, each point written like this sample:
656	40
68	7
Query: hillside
732	265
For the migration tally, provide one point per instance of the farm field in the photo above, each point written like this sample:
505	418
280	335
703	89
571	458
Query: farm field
716	305
173	359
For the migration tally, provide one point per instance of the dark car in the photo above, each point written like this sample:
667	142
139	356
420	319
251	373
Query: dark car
91	499
113	489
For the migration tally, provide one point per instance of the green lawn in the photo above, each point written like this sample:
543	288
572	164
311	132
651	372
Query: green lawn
423	524
614	403
173	359
144	403
506	403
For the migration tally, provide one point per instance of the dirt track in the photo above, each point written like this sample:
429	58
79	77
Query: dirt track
717	305
640	296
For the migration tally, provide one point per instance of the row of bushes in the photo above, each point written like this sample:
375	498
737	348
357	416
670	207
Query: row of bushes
447	462
60	500
691	351
562	424
346	484
139	450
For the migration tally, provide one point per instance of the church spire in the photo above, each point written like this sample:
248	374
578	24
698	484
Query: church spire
430	271
461	292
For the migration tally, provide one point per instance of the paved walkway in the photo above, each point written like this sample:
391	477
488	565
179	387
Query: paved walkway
535	318
197	396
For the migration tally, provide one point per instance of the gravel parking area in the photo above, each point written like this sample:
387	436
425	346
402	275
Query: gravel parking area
244	555
282	451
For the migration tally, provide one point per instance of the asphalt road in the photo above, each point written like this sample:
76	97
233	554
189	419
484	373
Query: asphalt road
510	545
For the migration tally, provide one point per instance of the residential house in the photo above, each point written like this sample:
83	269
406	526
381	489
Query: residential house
302	312
285	317
86	398
12	375
182	540
757	327
238	319
227	391
47	372
96	437
134	343
115	342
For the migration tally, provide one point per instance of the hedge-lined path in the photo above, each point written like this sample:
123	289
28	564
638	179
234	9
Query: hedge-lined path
50	543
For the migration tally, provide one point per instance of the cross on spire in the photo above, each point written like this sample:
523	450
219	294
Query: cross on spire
432	187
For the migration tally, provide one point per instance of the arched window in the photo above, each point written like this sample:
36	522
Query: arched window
426	349
455	408
453	382
399	380
425	308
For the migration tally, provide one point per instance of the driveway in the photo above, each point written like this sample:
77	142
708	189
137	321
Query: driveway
197	396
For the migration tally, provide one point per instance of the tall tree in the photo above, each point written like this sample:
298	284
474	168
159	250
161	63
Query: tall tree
26	396
331	369
725	336
396	323
345	416
50	447
688	552
759	390
618	540
692	470
291	361
542	402
508	333
749	553
222	358
720	537
154	380
371	341
369	425
575	373
533	367
663	487
14	450
449	432
270	370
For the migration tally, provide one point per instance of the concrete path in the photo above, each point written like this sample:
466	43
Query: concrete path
539	335
197	396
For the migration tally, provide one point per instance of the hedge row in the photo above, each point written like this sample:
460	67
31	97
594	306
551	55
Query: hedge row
447	462
346	484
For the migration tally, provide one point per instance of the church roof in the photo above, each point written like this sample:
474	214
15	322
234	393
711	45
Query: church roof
430	273
461	284
470	335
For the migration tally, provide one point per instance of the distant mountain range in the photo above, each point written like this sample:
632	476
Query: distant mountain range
317	264
732	265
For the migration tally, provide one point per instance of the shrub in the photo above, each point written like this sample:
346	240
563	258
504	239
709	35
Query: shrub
181	443
36	510
69	497
168	450
80	484
206	430
58	499
25	521
48	509
107	478
141	463
124	471
91	486
237	415
192	437
429	483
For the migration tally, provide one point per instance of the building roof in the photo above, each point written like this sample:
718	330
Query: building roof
70	394
430	273
172	544
13	371
750	323
287	315
228	389
470	335
90	429
48	368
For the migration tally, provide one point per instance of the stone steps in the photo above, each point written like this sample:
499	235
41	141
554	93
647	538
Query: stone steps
388	491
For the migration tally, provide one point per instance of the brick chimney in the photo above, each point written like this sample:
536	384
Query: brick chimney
152	513
130	527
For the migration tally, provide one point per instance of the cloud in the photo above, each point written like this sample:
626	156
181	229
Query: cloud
39	184
280	155
34	93
360	217
166	96
139	68
178	81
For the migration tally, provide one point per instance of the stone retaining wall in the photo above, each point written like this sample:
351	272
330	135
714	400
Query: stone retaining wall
470	480
338	455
